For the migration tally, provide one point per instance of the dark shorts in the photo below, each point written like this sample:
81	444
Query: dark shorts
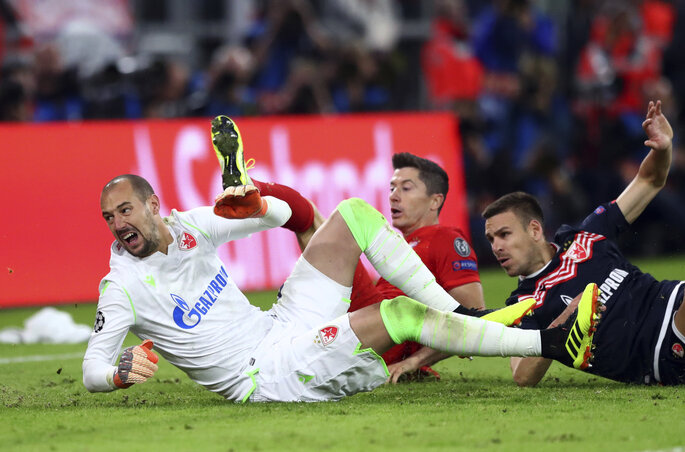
672	352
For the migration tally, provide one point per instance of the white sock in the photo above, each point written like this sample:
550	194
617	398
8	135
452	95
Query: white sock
399	264
462	335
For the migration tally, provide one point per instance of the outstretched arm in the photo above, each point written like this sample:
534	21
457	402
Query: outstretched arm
651	176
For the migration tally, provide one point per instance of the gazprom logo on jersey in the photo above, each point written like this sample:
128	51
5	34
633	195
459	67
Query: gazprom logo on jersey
187	317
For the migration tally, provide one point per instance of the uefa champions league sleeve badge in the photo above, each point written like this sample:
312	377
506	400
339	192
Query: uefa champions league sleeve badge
99	322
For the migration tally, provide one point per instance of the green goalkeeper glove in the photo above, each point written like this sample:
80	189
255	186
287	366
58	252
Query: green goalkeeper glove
137	364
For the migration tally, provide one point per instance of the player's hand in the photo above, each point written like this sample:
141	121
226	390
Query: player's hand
398	369
570	309
242	201
656	126
410	371
137	364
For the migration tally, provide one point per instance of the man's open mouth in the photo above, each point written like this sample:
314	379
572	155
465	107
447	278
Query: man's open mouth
130	237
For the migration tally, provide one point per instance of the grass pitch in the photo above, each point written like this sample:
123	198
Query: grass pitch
475	407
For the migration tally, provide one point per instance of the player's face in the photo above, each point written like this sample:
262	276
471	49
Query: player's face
131	220
411	206
513	245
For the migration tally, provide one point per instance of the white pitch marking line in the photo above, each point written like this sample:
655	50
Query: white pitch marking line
38	358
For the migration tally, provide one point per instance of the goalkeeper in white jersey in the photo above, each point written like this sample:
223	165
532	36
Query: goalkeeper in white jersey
168	286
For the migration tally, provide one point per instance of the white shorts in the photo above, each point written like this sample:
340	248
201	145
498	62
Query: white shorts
311	354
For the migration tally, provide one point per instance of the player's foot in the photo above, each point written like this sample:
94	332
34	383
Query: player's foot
508	315
571	343
228	146
512	314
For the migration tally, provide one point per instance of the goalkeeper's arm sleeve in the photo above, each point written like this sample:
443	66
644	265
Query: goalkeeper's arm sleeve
277	213
113	321
97	376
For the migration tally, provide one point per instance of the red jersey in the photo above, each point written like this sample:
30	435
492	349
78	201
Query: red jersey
446	253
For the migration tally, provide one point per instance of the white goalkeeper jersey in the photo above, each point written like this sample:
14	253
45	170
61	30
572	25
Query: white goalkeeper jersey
185	302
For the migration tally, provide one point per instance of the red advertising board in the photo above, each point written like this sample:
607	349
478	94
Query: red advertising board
55	245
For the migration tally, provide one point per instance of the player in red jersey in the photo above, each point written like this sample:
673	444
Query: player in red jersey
418	189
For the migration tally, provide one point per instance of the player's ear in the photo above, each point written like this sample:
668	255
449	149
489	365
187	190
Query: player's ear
437	199
153	201
535	230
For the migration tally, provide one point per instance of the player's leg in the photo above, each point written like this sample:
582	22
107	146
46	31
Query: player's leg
400	319
228	145
388	252
398	263
333	250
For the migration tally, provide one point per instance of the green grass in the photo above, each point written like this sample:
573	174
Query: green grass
476	407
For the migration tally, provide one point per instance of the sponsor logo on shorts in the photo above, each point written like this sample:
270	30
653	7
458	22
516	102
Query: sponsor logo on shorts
677	350
328	334
464	265
462	247
99	322
187	242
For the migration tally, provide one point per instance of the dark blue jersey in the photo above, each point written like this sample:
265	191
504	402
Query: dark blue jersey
635	302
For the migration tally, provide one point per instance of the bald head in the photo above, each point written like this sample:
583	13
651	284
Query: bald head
140	186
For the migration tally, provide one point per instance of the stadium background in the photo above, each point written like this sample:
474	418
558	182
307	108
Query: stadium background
137	82
545	96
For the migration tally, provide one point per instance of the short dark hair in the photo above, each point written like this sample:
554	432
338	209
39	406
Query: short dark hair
523	205
140	186
430	173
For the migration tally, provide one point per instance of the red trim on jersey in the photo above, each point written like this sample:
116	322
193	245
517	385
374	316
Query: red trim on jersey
578	252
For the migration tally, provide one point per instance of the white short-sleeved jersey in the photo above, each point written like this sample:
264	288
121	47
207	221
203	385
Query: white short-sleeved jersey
185	302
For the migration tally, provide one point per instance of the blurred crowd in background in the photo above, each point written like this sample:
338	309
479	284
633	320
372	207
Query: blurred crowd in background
550	95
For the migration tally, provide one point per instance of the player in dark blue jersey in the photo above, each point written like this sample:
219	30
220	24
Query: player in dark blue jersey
641	337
